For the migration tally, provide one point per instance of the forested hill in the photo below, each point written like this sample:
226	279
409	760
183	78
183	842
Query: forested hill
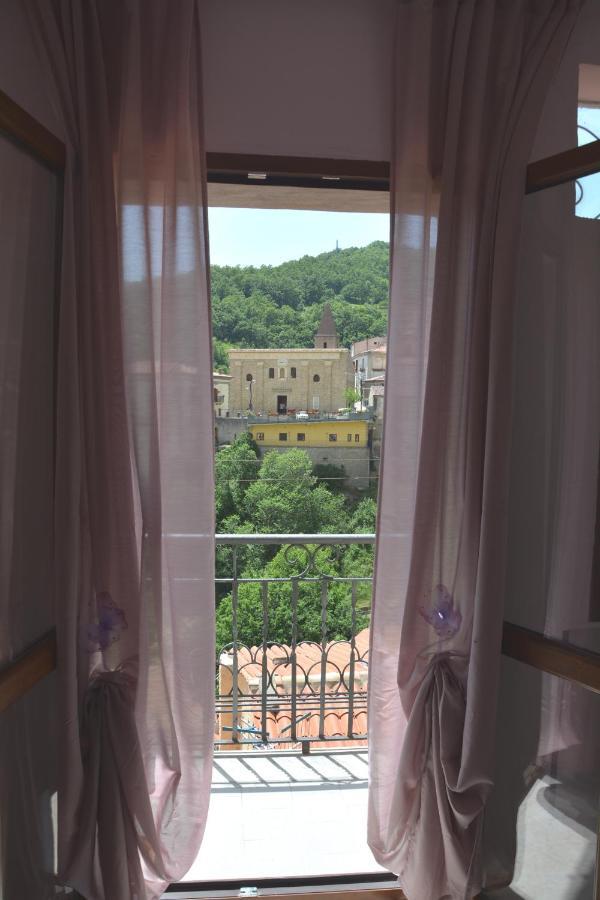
280	306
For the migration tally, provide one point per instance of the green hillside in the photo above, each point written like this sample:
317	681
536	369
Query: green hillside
280	306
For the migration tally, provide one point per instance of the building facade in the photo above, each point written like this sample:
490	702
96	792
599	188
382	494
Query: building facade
368	361
328	433
373	397
339	442
283	381
221	383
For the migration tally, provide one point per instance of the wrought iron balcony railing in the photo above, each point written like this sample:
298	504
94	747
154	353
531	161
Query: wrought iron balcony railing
294	669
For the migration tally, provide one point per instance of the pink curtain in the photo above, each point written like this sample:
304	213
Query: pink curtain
470	81
134	490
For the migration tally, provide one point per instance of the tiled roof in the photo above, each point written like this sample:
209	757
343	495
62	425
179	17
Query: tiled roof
373	343
308	674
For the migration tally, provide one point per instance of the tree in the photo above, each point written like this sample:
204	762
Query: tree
284	565
283	494
286	499
364	518
352	396
220	357
333	477
280	306
235	470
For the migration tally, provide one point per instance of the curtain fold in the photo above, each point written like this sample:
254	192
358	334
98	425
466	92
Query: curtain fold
134	490
469	81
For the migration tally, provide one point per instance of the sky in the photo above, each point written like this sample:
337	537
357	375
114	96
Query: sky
257	237
588	192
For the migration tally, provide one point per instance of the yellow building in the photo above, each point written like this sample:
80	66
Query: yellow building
331	433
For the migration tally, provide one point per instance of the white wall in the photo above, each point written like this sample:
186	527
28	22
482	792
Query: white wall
308	78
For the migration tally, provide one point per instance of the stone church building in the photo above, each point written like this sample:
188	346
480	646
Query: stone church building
287	381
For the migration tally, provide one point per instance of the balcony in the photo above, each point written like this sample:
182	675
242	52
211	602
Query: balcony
290	772
291	689
313	416
290	765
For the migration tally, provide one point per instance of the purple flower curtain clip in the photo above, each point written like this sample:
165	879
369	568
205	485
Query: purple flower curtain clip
111	622
443	617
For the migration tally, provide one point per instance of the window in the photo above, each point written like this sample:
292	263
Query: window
297	409
248	377
349	438
587	188
333	438
357	438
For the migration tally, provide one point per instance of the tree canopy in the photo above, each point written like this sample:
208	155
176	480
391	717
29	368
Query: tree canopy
283	494
281	306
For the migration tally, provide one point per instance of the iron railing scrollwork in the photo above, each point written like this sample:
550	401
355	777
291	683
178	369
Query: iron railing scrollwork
302	690
579	186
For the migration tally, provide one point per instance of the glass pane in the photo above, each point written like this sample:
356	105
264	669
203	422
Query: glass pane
543	812
553	505
588	121
27	312
587	197
574	89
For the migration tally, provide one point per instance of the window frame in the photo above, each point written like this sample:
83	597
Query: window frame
531	648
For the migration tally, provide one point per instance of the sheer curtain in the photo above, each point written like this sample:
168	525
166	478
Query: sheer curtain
134	519
470	81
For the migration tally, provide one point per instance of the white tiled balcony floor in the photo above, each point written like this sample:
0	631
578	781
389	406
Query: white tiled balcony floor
280	814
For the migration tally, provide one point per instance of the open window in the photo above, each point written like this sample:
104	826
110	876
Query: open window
291	323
